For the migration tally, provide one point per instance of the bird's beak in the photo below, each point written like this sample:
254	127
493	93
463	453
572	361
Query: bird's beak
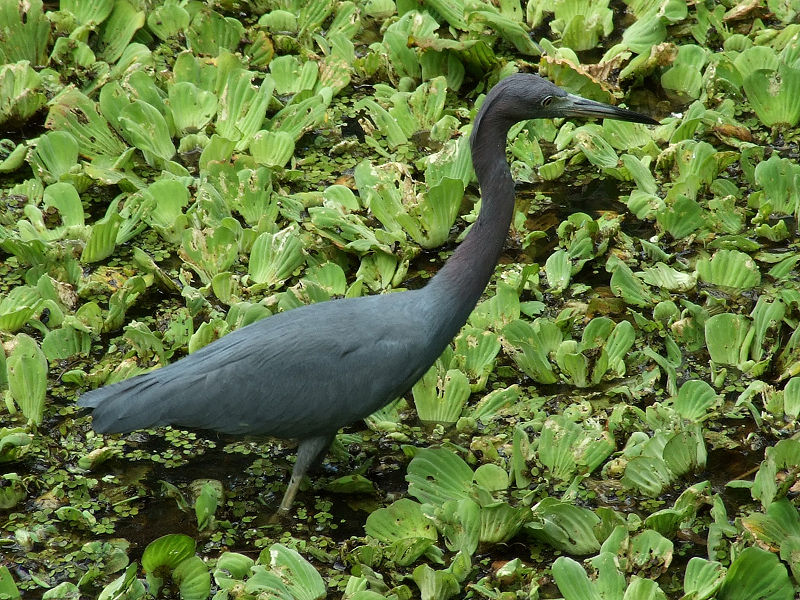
575	106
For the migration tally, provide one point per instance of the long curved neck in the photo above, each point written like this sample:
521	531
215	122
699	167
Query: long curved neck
458	285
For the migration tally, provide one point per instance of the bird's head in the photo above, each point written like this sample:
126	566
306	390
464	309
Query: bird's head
526	96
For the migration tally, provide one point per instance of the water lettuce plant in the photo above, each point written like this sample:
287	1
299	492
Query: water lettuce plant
625	394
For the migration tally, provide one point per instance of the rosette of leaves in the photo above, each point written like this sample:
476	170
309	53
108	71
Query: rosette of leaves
174	556
440	396
21	95
55	159
209	253
404	529
475	353
390	195
567	448
212	33
742	340
778	528
74	112
766	486
440	478
110	26
583	239
653	463
14	442
26	376
773	93
754	573
600	351
780	180
564	526
242	106
685	77
24	32
274	257
410	113
608	582
581	25
532	344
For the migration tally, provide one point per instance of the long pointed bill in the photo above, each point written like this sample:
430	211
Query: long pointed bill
575	106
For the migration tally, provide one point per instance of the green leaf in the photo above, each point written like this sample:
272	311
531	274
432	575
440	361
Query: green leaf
729	268
756	573
211	33
272	148
27	377
146	129
8	589
532	344
572	580
291	76
242	107
301	579
274	257
780	523
192	107
460	523
167	20
780	180
681	218
599	152
436	475
24	34
193	578
773	95
564	526
56	154
206	504
726	335
435	585
102	239
649	475
791	398
167	551
231	568
65	199
694	399
400	520
66	342
702	578
441	399
117	31
626	285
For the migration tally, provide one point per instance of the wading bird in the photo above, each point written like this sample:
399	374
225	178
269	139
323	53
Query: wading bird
305	373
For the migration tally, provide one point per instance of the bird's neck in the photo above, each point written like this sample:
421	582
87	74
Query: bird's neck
458	285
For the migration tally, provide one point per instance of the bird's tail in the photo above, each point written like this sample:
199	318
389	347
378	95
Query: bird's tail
126	406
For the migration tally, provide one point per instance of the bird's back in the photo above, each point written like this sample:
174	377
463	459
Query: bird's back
298	374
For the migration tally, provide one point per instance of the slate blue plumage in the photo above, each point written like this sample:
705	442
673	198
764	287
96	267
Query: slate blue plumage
306	373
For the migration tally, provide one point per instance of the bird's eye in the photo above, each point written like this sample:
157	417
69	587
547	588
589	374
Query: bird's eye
546	101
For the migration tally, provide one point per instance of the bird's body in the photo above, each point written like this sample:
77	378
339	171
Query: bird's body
306	373
294	362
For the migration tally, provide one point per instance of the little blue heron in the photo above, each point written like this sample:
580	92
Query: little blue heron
305	373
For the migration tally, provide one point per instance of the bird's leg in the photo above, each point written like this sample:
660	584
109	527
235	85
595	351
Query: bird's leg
308	451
